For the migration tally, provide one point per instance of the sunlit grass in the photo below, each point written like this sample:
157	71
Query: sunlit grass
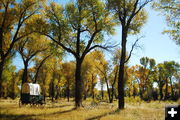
63	110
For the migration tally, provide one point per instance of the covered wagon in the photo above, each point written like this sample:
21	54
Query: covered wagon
31	94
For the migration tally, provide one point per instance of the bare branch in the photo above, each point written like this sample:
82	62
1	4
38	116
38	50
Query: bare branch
132	48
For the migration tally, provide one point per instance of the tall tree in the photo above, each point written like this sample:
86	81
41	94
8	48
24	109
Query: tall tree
13	16
78	29
170	68
131	15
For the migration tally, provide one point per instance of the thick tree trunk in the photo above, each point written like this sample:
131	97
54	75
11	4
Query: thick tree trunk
25	73
78	84
121	70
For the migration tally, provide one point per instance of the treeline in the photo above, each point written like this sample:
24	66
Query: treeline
44	32
147	80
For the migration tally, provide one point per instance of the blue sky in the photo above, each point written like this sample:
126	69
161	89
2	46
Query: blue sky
154	45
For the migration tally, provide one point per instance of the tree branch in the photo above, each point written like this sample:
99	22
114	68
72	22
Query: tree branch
132	48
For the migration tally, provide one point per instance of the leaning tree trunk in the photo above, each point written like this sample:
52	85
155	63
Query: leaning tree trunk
109	92
121	70
78	84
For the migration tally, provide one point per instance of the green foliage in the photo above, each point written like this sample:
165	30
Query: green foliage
170	9
126	8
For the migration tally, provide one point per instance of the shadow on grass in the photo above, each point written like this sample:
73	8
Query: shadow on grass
58	106
16	117
103	115
30	117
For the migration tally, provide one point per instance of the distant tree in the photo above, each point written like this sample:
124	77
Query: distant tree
159	78
170	68
68	70
148	68
131	15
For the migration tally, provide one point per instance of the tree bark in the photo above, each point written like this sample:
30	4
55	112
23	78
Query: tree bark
108	90
68	90
114	83
52	88
92	84
102	90
1	71
25	73
166	89
121	70
78	84
172	90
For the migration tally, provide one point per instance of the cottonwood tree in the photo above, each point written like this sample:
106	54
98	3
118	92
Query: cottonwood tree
147	70
13	16
170	9
78	28
170	68
131	15
28	48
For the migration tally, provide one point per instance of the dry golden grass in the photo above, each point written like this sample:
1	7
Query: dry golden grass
62	110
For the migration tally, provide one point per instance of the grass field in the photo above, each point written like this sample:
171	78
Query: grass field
63	110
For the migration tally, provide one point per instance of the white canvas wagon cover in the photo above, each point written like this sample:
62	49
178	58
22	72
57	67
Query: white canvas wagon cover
31	88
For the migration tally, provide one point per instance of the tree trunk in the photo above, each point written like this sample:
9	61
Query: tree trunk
172	90
1	71
114	83
92	84
78	84
25	73
108	90
121	70
102	90
38	69
166	89
68	90
160	92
